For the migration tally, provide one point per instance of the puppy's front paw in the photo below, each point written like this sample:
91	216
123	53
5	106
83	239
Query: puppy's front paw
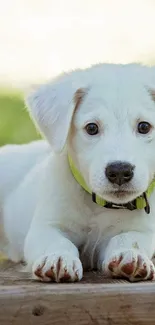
58	267
130	264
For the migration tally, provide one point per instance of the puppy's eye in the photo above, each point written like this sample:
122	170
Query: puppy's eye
92	128
144	127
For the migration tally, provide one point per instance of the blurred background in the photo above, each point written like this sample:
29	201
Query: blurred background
41	38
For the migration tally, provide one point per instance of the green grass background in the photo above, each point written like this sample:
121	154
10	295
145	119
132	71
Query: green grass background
15	124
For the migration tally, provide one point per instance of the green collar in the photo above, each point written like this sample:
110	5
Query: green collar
140	202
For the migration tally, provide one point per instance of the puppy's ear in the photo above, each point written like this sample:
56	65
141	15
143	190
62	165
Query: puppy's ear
52	107
152	92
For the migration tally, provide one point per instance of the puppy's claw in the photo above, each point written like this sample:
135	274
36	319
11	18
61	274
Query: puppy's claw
130	264
58	268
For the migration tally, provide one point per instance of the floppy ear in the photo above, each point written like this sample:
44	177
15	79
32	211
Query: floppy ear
151	82
152	94
52	107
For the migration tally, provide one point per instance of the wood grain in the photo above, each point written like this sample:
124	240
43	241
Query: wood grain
94	301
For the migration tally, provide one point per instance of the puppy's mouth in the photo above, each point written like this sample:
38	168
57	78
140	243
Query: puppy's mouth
120	193
120	196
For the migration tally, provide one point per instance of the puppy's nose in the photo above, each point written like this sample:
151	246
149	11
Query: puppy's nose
119	172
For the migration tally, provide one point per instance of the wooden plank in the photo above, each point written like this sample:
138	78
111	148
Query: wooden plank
94	301
105	304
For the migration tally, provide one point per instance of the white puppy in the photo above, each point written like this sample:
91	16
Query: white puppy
100	125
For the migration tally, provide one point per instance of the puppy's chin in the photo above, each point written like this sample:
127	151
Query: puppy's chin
120	197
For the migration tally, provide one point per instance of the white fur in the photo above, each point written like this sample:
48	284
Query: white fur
46	216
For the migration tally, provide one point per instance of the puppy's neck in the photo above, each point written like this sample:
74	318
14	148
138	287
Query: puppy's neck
140	202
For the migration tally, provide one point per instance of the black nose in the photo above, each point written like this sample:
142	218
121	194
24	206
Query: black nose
119	172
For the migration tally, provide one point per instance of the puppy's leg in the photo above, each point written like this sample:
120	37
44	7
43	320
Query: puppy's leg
129	255
51	256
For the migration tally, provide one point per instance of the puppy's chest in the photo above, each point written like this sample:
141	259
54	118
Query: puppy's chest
104	224
101	227
107	223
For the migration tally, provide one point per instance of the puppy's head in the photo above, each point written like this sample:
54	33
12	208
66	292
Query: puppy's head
106	117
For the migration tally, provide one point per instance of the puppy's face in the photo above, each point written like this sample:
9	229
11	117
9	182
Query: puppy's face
112	139
106	116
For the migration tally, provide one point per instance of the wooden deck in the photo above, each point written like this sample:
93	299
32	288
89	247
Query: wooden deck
95	300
